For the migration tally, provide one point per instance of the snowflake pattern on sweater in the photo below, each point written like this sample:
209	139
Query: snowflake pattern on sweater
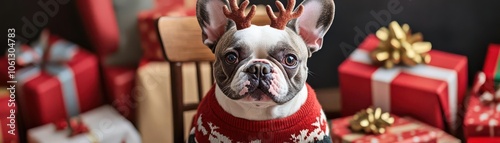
213	125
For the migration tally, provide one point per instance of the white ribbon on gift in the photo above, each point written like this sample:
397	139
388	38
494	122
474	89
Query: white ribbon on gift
61	51
382	78
105	124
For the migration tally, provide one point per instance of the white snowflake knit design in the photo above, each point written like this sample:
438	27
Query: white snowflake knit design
317	133
200	126
304	136
216	137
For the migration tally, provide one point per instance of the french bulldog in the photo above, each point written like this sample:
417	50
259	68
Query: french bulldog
260	92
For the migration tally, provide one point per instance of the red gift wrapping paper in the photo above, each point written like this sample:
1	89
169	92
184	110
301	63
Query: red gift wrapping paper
120	82
168	3
404	130
150	41
424	92
492	63
101	25
481	120
4	75
8	114
483	140
41	92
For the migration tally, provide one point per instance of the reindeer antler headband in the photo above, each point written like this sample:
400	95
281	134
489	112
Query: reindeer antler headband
243	21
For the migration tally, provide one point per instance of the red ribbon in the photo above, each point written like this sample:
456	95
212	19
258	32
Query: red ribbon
485	88
75	125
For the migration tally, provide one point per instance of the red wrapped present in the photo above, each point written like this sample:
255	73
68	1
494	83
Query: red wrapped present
101	25
64	83
483	111
403	130
492	62
4	74
7	62
428	92
150	41
120	82
8	114
483	140
100	125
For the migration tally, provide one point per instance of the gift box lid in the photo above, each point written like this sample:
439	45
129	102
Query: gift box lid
404	129
445	76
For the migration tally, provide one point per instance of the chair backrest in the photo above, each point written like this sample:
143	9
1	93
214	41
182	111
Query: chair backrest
181	40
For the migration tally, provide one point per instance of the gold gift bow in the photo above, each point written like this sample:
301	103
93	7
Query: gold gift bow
398	46
371	121
93	138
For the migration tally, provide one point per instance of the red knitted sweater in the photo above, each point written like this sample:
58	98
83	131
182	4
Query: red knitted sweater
213	124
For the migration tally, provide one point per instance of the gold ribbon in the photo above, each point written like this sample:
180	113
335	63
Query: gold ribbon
398	46
93	138
371	121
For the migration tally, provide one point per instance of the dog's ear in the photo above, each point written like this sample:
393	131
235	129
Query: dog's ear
212	21
314	22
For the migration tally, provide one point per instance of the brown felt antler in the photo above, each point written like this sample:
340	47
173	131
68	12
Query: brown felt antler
285	15
237	14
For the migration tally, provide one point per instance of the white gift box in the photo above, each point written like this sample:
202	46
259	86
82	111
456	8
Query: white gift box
105	125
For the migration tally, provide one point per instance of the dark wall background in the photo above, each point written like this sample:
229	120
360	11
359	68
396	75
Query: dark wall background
65	21
457	26
463	27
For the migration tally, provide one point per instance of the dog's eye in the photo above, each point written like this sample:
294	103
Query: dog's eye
290	60
231	58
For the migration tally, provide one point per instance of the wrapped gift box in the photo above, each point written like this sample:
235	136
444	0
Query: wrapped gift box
425	92
8	114
5	62
101	25
154	98
63	85
150	41
483	140
4	74
121	82
104	124
482	119
491	64
403	130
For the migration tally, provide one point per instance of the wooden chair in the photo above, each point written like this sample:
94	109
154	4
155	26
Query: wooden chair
181	40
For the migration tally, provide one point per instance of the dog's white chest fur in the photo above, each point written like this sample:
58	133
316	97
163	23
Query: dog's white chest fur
260	110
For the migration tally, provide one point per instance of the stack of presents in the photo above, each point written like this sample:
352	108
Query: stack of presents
105	93
394	87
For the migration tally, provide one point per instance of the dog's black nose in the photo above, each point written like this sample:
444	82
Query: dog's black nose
259	69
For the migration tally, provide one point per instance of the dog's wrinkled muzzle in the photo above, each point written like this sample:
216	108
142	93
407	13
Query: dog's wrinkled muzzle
260	78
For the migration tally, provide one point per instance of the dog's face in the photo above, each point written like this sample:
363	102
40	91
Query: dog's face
251	70
263	64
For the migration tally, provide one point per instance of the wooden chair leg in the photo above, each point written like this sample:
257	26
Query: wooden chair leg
199	81
212	73
177	101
